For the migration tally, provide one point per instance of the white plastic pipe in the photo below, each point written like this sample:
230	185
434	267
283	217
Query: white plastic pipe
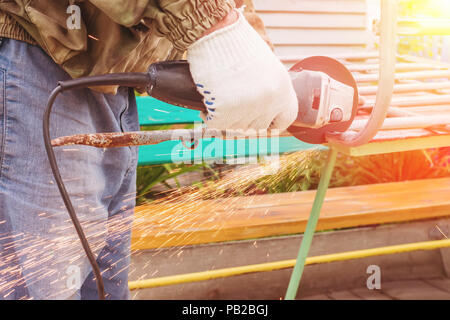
386	75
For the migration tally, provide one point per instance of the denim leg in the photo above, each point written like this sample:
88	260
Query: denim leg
114	259
41	256
12	286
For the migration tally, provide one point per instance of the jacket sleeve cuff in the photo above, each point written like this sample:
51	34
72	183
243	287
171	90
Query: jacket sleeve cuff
183	22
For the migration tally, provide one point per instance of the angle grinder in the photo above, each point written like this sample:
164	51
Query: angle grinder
331	105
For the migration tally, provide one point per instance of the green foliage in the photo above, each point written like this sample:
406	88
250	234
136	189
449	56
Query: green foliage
393	167
352	171
149	177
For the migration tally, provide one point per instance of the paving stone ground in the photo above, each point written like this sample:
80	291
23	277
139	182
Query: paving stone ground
435	289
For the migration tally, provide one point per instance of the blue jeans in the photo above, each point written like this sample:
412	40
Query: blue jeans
40	254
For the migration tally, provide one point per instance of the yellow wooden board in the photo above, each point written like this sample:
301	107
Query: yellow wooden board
260	216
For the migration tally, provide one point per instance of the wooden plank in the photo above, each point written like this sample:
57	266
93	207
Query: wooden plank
305	20
442	284
254	217
367	294
343	295
413	290
445	256
347	37
331	6
317	297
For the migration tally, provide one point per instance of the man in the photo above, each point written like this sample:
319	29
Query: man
243	83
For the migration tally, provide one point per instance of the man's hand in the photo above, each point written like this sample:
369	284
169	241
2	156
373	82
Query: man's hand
244	84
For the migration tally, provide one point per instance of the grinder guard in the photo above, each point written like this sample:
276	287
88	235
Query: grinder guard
338	72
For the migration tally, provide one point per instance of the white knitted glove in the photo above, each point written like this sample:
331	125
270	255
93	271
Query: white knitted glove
244	84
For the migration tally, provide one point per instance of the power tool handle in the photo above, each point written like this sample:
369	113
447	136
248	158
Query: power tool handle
172	82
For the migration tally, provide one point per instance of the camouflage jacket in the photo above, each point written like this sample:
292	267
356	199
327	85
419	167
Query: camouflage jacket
89	37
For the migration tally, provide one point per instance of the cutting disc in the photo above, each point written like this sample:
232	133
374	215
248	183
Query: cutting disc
338	72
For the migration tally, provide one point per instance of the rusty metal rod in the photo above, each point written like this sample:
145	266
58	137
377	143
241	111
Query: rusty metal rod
137	138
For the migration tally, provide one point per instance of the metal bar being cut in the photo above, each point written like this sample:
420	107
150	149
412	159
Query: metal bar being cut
138	138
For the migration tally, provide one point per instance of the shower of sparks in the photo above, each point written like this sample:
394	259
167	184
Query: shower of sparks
441	232
175	219
93	38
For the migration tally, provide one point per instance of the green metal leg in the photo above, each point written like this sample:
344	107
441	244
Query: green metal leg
311	226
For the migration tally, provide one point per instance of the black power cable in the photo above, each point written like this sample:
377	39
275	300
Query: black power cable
124	79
